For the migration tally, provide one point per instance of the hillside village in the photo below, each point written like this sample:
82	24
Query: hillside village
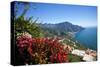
86	54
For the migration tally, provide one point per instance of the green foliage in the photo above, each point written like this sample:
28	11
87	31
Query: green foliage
22	24
74	58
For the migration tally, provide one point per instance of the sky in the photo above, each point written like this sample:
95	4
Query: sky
85	16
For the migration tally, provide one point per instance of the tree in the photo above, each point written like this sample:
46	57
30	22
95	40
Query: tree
23	24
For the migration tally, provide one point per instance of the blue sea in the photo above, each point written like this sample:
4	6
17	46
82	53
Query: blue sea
88	37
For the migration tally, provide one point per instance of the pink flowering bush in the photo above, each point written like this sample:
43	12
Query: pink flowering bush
41	50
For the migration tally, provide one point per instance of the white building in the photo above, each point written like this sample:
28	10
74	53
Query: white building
78	52
88	58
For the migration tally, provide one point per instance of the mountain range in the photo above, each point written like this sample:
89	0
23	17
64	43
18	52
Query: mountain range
60	28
